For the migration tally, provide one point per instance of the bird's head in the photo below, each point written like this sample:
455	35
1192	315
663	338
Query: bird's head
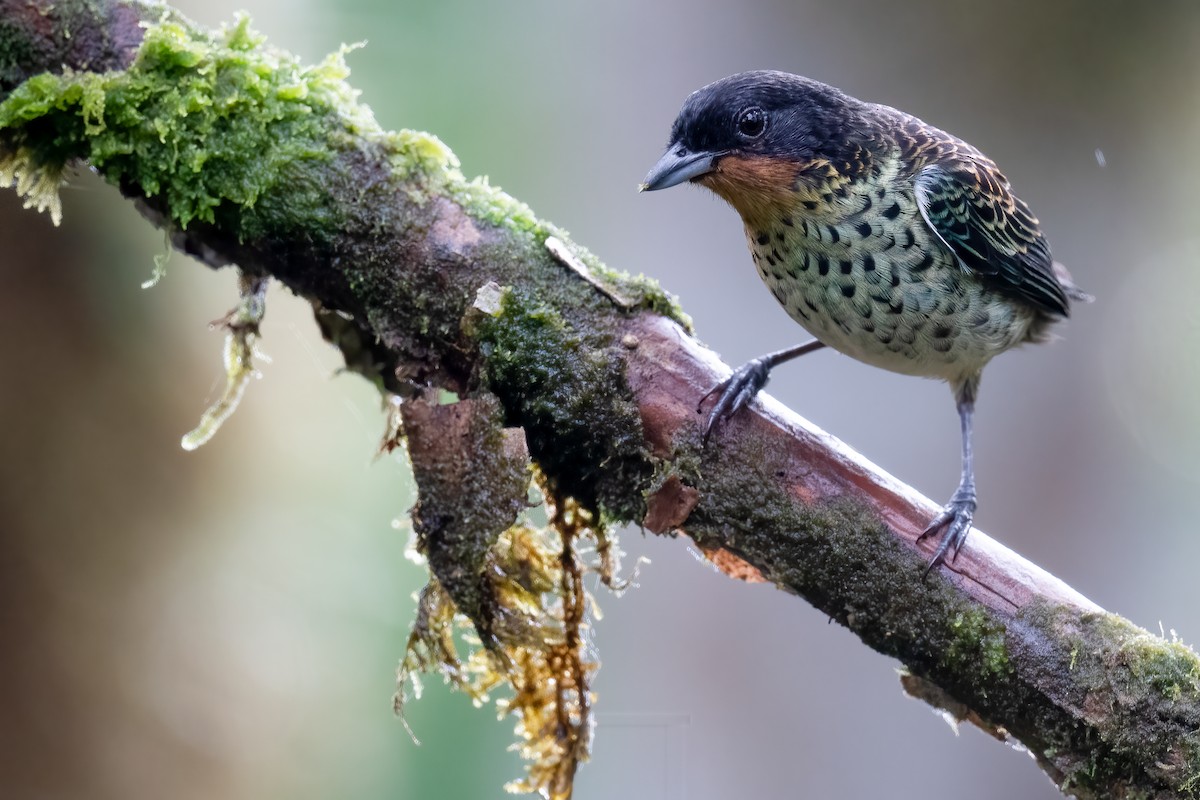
759	138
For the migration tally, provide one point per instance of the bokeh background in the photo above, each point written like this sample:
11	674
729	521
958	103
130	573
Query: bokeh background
226	623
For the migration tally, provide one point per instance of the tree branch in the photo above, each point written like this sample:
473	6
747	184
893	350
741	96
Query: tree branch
286	176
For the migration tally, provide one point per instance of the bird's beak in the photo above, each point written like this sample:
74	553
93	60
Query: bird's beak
677	165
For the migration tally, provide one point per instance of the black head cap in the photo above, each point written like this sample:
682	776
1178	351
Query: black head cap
759	113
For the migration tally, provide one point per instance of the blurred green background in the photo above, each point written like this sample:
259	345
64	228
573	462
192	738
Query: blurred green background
226	623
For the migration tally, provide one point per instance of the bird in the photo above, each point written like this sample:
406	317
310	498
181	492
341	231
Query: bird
885	238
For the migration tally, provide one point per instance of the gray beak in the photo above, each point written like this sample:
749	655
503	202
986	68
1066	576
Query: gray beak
677	165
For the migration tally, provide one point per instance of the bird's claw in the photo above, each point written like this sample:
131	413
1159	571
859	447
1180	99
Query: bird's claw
735	393
955	522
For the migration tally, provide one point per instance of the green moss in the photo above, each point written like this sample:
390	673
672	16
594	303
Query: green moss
841	556
642	291
977	638
415	154
492	205
1157	668
685	469
803	546
496	207
1169	667
1119	677
1173	674
654	297
1190	786
570	395
209	123
18	44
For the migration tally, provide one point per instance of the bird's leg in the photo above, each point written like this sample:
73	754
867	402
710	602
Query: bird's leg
955	519
747	381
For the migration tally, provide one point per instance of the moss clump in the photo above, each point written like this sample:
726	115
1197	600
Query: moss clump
496	207
1119	676
569	393
1159	670
411	151
977	638
653	297
1169	667
209	122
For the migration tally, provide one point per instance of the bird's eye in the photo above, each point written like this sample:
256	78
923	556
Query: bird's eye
752	122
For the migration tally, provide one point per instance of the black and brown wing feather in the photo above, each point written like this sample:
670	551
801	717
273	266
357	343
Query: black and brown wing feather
971	207
992	232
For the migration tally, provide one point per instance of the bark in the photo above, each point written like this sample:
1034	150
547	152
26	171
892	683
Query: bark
423	278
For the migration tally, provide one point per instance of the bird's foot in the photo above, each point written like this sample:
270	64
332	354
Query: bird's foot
954	522
735	392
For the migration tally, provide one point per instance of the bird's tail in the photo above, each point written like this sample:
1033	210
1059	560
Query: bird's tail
1072	291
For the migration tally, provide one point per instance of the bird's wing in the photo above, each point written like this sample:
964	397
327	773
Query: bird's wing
972	209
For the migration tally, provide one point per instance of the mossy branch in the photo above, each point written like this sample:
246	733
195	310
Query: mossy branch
424	278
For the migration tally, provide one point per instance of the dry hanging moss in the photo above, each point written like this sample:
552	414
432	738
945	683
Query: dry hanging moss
241	327
508	608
